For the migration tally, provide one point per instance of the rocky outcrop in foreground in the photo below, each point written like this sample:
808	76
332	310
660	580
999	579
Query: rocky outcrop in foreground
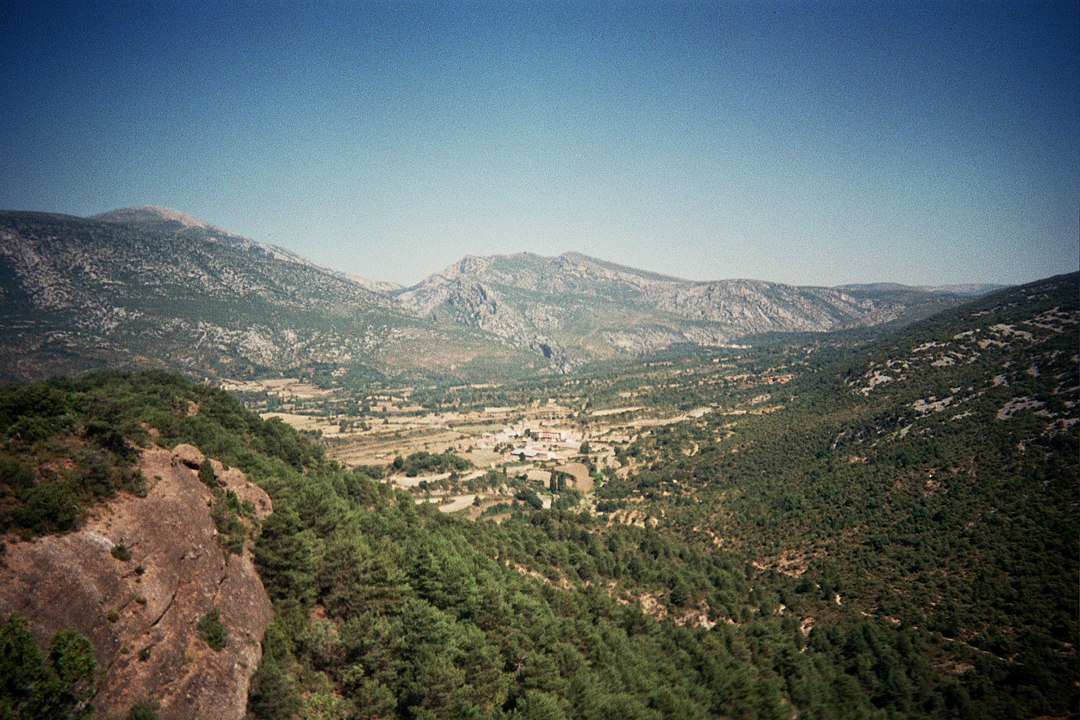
142	613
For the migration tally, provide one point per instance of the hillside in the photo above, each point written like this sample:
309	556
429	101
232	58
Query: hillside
147	287
127	550
382	607
575	309
137	577
931	483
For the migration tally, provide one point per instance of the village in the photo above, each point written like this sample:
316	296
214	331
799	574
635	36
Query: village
516	456
486	462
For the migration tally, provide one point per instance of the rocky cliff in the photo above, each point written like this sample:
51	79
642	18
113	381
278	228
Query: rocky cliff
142	612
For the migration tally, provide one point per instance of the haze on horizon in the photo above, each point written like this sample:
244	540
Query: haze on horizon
815	144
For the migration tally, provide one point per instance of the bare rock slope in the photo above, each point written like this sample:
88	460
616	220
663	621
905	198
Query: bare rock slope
574	309
142	614
151	287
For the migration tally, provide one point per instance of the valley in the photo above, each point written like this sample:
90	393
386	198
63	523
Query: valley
576	427
858	502
876	477
540	361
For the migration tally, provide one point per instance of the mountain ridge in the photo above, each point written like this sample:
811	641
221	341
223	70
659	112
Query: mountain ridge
577	308
149	285
81	293
157	217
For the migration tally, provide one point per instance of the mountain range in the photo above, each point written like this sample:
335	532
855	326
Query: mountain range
82	293
576	309
151	286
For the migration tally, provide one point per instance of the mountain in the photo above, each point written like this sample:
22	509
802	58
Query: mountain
971	290
154	286
156	217
149	286
574	308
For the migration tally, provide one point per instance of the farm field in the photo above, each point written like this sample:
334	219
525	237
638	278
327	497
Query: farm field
550	441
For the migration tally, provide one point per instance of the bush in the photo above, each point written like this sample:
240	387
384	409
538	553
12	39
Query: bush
144	710
49	507
16	474
530	498
212	631
120	551
57	686
425	462
206	473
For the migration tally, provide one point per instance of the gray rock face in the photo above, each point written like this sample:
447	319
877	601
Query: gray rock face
573	308
153	286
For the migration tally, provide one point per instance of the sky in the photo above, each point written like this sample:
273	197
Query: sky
812	143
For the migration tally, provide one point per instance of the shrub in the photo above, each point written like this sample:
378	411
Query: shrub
206	473
212	631
120	551
530	498
144	710
16	474
48	507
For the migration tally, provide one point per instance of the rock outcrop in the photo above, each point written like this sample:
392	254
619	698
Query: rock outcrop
142	613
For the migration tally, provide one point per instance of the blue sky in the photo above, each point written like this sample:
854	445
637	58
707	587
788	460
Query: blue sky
811	143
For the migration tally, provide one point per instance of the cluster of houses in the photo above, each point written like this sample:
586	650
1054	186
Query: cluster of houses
543	443
527	453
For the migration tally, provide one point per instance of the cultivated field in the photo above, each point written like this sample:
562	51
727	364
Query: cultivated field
550	442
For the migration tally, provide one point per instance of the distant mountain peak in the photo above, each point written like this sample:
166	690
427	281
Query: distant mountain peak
156	217
468	264
578	309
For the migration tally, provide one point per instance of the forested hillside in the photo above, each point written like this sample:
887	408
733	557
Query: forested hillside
931	483
386	608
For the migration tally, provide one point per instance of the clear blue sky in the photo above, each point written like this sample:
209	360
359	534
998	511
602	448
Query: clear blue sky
810	143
